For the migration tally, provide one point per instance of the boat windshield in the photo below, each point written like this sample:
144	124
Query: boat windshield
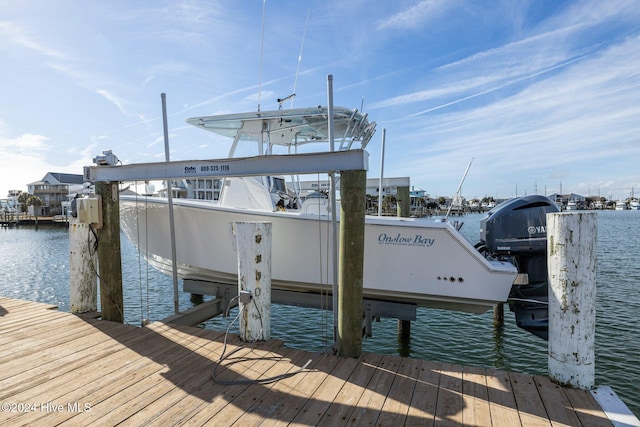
278	185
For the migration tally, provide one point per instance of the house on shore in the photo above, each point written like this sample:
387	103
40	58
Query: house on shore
53	190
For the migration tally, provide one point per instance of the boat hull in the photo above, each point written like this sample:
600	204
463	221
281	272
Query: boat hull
406	260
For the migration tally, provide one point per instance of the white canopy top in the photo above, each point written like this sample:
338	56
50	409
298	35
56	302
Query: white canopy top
292	127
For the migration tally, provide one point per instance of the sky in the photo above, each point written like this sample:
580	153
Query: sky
540	96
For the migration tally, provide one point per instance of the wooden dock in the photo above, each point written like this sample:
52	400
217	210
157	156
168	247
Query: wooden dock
59	368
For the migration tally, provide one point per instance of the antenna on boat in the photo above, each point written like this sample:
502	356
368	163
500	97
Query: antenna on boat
295	81
264	8
457	194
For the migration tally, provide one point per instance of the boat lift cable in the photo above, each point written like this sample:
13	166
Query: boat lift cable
143	321
95	270
324	271
146	245
334	221
226	356
326	312
139	256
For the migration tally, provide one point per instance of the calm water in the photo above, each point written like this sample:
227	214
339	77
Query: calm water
34	265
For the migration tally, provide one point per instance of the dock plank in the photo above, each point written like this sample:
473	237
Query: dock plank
80	370
339	411
214	397
16	305
318	403
530	407
120	366
142	387
275	395
450	403
245	401
52	373
422	407
18	332
502	402
16	320
371	401
169	394
200	396
139	388
475	396
587	410
308	384
556	403
42	358
396	405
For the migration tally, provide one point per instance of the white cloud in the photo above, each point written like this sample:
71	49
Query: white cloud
166	67
17	35
113	99
27	144
416	15
572	121
21	161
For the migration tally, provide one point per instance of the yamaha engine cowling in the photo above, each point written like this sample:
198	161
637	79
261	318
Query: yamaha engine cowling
517	231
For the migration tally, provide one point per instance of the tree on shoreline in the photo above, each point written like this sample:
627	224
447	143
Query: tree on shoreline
36	202
26	199
22	199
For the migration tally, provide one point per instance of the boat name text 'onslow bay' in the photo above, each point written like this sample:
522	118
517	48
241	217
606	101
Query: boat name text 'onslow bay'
399	239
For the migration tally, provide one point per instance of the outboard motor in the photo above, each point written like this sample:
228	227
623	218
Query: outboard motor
516	231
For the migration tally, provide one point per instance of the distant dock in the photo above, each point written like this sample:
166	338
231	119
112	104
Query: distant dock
55	221
56	367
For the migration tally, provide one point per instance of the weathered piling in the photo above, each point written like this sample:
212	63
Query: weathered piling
83	285
404	211
403	199
350	283
571	258
498	315
109	258
253	244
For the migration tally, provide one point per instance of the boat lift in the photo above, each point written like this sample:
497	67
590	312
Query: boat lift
107	169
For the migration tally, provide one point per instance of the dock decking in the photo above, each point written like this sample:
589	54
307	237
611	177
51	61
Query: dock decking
59	368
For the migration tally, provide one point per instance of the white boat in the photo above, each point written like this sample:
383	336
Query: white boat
571	206
634	205
412	260
621	205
